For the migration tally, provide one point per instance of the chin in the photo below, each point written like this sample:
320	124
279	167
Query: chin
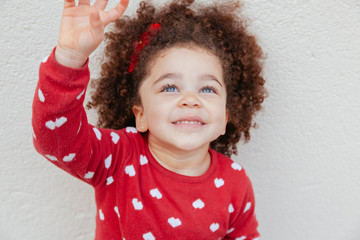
191	146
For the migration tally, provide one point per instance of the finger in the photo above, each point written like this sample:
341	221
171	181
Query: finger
115	13
96	26
69	3
84	2
100	4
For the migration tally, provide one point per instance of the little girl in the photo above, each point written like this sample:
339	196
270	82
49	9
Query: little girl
178	89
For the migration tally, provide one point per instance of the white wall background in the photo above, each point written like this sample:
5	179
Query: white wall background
304	160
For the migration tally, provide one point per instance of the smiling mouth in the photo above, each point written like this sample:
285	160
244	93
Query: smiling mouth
188	122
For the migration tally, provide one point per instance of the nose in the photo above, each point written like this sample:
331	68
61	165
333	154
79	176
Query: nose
189	99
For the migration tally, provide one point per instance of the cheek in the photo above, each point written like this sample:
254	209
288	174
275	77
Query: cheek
223	120
221	109
221	116
156	112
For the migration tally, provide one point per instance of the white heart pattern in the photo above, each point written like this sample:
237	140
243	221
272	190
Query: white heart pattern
230	230
130	170
101	215
58	123
117	211
109	180
155	193
214	227
137	204
174	222
41	96
97	133
247	207
79	96
242	238
219	182
143	160
231	208
236	166
69	157
108	161
131	130
52	158
148	236
114	137
198	204
89	175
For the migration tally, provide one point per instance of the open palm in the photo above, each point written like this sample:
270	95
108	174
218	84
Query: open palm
82	26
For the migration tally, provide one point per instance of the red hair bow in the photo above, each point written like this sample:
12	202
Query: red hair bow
144	40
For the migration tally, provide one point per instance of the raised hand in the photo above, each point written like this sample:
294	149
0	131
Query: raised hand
82	29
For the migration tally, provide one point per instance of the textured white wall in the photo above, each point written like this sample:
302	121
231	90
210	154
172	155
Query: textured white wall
304	160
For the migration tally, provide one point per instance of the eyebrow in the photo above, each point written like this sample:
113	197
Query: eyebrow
211	77
203	77
168	75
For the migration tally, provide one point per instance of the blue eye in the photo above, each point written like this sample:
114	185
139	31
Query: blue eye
169	88
208	89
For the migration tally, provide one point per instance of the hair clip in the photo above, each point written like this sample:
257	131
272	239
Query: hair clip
144	40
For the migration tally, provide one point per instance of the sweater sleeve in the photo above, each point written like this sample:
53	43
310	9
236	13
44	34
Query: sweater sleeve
61	132
244	227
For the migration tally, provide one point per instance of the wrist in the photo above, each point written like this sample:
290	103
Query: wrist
69	58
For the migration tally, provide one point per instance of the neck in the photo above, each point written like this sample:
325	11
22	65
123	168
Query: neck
188	163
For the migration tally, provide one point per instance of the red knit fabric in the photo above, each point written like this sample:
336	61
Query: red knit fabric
136	197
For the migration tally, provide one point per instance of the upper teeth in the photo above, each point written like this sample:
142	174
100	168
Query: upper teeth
189	122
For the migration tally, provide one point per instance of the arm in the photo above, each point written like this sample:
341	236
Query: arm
61	130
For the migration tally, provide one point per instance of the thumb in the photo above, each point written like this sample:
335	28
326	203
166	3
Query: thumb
96	27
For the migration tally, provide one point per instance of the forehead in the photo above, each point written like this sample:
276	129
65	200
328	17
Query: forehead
186	59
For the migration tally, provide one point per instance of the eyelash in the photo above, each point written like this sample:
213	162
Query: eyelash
209	88
166	87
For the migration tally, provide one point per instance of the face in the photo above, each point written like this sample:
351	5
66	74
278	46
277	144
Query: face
183	100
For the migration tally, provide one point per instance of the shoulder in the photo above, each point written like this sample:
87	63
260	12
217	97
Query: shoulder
125	142
227	165
232	173
127	135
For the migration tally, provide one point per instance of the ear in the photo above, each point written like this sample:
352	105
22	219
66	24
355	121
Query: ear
141	123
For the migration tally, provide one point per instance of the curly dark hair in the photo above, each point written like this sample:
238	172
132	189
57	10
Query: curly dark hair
217	28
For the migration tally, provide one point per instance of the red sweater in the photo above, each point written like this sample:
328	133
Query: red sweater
136	197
